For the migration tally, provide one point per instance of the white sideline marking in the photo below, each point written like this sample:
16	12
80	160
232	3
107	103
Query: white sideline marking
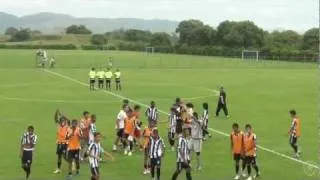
213	130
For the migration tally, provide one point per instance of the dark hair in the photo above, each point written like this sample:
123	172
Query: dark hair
93	69
293	112
189	105
125	101
152	102
195	114
30	127
173	109
74	121
178	100
93	117
124	106
96	134
205	106
235	125
248	126
85	113
136	107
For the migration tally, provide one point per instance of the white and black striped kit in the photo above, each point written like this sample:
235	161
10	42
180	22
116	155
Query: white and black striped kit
28	138
156	147
172	120
152	114
94	154
183	150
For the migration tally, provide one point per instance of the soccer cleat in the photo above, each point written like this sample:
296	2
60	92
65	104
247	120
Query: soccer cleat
73	166
125	152
148	171
114	148
210	136
172	148
236	177
145	171
57	171
249	178
257	175
130	153
244	174
69	177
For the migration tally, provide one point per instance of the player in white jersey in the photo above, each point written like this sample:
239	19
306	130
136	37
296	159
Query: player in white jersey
94	152
122	115
92	128
196	137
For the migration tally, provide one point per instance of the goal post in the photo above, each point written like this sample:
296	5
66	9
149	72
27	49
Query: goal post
149	50
250	55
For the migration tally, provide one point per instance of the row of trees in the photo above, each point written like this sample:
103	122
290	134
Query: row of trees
197	35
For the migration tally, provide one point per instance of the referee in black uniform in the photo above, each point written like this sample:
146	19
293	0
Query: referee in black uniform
222	103
28	142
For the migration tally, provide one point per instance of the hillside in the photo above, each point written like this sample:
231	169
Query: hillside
55	23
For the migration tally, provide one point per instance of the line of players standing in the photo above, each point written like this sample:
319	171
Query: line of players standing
104	79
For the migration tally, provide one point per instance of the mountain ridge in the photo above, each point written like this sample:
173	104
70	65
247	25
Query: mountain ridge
52	23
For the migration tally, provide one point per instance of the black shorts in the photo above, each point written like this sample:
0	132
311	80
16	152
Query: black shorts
155	162
100	81
250	159
117	80
293	139
182	165
237	157
95	171
27	157
108	81
61	149
92	81
73	155
171	135
120	133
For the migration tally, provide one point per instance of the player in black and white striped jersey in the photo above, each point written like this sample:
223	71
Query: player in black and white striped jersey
205	118
94	152
172	122
28	142
183	156
156	152
152	113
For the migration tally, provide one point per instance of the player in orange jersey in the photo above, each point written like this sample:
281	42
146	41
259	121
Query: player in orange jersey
62	142
84	126
295	132
74	136
129	128
137	131
250	149
236	139
147	132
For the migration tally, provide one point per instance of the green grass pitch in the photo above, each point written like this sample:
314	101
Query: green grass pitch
260	93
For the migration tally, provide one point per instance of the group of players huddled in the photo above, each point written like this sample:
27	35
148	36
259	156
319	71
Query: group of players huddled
79	140
104	79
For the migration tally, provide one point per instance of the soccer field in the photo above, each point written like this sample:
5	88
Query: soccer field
260	93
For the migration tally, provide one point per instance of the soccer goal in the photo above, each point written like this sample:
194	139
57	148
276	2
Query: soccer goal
149	50
250	55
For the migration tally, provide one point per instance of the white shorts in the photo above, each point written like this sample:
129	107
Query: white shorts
196	145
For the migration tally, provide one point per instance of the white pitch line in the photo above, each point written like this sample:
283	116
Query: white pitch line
213	130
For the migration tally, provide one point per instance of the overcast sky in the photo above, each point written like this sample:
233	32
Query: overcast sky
269	14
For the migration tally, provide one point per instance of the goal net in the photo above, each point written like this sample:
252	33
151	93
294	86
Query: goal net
149	50
250	55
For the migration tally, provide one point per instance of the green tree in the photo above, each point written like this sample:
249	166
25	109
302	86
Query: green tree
98	39
21	35
310	40
11	31
74	29
160	39
138	35
186	30
244	34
